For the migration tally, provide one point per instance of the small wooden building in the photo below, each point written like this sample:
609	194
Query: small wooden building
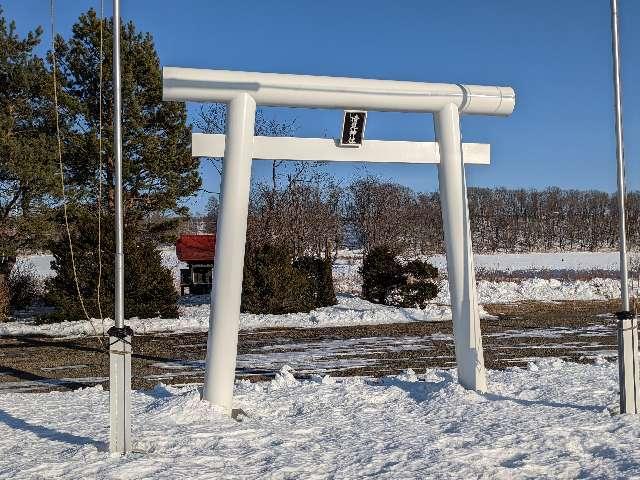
197	251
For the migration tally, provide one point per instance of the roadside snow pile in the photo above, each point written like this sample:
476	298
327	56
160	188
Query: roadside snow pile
350	310
195	318
552	420
546	290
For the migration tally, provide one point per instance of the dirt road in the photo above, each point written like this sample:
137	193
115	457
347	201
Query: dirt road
576	331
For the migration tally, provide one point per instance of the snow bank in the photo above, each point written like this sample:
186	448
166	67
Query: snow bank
195	318
547	290
350	310
552	420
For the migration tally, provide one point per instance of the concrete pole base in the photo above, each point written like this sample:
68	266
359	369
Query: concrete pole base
628	362
120	389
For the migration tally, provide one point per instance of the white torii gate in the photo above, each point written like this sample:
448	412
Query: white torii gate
243	91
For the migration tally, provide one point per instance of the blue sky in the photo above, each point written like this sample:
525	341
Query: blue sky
556	54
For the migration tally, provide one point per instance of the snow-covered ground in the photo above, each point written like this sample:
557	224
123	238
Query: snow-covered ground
347	278
195	318
506	262
526	261
548	290
553	420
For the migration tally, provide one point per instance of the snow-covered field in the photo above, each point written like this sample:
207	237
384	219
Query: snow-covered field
349	261
526	261
553	420
195	318
590	264
505	262
41	262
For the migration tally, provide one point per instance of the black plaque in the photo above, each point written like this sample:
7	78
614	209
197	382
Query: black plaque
353	126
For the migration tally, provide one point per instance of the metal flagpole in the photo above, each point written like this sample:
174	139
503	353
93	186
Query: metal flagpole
119	335
627	323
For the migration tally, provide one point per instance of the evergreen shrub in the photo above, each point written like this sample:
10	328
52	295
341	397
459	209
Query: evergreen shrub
387	281
149	287
320	276
276	283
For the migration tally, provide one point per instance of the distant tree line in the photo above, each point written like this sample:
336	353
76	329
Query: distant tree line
315	214
502	220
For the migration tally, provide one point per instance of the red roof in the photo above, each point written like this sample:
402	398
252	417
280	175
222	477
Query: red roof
196	248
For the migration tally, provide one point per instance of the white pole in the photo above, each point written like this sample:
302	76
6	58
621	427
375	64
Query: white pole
457	234
119	335
117	153
627	323
229	256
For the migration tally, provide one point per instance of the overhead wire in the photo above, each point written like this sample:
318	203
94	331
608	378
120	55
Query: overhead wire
100	166
62	182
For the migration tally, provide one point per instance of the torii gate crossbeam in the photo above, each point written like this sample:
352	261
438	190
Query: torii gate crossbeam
243	91
326	150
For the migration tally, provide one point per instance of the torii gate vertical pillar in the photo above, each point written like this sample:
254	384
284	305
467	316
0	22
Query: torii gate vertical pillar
229	257
457	235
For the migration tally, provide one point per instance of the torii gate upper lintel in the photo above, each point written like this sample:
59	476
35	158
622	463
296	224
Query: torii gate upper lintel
242	91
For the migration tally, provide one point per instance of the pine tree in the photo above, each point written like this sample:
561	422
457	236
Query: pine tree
158	170
149	287
28	165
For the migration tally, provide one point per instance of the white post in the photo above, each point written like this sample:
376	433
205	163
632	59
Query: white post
229	256
457	234
120	389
